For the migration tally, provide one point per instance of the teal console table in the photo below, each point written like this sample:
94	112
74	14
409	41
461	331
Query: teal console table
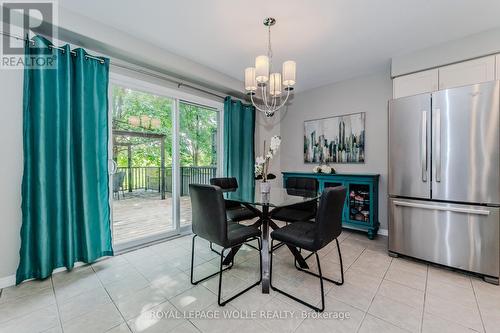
361	204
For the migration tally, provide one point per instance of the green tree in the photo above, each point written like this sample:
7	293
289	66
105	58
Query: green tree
198	130
198	135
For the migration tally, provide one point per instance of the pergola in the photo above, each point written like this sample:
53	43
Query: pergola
146	135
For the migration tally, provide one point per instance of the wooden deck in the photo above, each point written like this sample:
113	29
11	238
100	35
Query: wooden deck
143	213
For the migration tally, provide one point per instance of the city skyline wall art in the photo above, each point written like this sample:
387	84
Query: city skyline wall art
339	139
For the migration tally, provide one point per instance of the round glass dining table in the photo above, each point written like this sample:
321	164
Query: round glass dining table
263	204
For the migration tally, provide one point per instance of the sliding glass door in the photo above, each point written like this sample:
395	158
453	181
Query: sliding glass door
198	151
142	156
159	144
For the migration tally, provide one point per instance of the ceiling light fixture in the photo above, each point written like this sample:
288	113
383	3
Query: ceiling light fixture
261	78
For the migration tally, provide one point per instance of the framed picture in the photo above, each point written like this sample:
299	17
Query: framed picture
339	139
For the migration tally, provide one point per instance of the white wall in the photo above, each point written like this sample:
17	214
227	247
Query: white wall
366	94
473	46
11	148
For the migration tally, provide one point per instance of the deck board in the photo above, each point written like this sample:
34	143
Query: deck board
143	213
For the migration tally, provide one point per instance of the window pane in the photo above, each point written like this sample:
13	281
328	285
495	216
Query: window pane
198	150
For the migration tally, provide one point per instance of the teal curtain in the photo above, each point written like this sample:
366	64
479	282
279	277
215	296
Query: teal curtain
239	154
65	182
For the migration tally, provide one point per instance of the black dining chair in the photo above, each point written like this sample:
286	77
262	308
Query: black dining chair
235	211
313	236
118	179
302	211
209	222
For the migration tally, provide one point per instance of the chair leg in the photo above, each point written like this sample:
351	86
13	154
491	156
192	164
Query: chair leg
341	264
219	298
214	250
260	258
250	245
321	284
338	283
277	246
315	308
192	266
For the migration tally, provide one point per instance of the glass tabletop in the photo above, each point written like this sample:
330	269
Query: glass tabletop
277	197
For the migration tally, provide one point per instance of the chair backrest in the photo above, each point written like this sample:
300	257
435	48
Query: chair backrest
301	183
118	179
208	213
329	215
225	183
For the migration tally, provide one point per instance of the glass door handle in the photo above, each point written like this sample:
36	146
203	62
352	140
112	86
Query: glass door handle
113	167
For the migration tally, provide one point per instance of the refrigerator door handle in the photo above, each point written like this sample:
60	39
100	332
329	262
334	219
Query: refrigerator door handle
423	147
449	209
437	142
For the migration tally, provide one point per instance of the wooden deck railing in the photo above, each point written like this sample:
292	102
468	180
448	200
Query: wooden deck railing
195	175
149	178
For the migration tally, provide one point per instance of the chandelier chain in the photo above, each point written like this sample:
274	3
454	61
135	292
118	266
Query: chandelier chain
269	49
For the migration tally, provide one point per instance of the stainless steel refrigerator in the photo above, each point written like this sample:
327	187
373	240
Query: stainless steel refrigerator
444	178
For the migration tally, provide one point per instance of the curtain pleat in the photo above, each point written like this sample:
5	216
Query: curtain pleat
239	152
65	206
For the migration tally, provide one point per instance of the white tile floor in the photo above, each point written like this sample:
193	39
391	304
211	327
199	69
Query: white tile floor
128	293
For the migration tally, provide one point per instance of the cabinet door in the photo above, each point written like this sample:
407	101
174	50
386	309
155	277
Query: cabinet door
498	67
414	84
467	73
359	204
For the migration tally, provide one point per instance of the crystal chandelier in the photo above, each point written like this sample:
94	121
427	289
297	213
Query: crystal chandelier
261	79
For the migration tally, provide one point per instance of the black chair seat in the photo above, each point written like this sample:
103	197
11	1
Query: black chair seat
290	214
300	234
237	233
238	214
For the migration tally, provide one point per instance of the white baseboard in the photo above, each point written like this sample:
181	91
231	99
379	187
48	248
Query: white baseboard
9	281
383	232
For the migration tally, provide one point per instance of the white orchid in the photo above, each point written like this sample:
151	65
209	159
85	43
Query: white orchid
258	169
262	162
259	160
275	143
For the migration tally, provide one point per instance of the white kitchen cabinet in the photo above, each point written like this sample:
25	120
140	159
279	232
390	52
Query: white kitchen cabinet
498	67
467	72
417	83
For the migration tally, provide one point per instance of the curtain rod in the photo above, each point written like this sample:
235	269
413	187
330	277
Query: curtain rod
50	46
162	77
166	78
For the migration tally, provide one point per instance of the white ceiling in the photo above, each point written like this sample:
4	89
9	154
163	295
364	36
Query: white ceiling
331	40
